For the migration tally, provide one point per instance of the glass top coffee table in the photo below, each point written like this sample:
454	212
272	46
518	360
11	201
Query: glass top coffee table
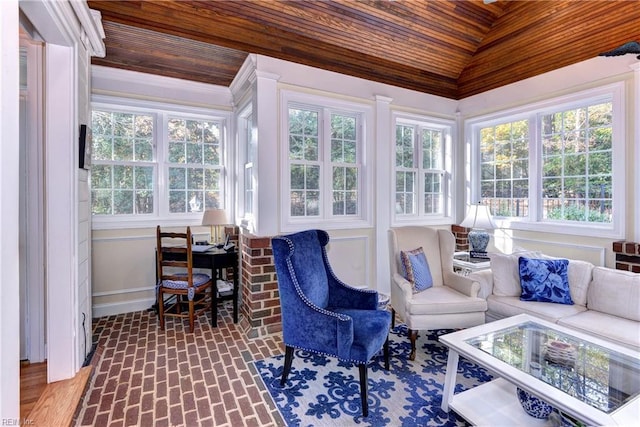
591	380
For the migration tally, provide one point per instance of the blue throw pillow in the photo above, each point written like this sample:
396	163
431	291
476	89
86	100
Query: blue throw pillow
545	280
416	269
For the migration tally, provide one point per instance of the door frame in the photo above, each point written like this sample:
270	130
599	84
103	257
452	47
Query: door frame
32	231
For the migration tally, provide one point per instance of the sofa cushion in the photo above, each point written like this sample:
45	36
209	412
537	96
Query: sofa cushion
416	269
615	292
545	280
500	307
506	276
579	279
605	326
444	300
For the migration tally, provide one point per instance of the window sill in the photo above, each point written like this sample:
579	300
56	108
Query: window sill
308	223
575	229
114	223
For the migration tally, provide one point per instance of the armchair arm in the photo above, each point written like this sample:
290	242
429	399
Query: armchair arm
462	284
401	292
484	278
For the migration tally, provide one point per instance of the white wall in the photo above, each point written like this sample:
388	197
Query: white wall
9	137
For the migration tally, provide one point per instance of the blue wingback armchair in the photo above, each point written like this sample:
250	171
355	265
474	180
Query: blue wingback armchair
322	314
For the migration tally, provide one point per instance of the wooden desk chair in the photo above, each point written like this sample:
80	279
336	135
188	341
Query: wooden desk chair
174	252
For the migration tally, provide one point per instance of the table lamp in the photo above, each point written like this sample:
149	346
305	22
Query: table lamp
479	220
215	218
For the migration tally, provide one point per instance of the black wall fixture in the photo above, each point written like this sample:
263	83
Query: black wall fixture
630	47
84	147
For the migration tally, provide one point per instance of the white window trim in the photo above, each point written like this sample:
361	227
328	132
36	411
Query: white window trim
366	145
448	128
613	92
247	219
161	111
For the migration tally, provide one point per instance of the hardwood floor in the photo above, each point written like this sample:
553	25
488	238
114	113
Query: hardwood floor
33	381
59	402
43	404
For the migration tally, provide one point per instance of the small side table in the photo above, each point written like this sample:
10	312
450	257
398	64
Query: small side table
383	301
464	264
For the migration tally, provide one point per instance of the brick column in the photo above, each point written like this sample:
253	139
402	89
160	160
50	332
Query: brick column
627	256
261	300
462	237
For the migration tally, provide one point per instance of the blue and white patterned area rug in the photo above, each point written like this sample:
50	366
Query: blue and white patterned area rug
321	391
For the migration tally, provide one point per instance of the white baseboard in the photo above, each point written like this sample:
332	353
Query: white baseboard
110	309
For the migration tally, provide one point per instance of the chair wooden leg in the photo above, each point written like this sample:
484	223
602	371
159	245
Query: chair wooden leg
386	354
288	358
393	318
413	336
191	315
161	308
363	389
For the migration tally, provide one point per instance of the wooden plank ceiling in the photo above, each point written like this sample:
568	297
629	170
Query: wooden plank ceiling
453	49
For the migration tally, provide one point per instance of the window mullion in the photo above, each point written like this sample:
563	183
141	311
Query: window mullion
326	166
535	167
162	166
419	171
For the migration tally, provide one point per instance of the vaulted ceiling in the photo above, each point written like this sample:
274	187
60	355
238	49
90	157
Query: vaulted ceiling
453	49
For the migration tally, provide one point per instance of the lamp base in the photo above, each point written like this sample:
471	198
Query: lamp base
479	239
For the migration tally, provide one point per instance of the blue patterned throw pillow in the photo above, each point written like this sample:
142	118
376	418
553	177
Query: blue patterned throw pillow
416	269
545	280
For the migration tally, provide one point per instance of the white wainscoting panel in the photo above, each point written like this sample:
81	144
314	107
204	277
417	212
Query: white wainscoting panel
592	254
349	258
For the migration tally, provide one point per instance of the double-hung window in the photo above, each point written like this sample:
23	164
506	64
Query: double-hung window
420	169
151	163
555	166
326	177
504	167
123	174
194	164
247	159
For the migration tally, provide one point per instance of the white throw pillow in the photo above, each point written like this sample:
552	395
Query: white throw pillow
506	273
615	292
579	278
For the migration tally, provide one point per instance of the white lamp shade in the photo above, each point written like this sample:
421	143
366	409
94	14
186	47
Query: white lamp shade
478	217
215	217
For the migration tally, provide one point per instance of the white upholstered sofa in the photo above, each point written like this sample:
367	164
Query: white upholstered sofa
606	302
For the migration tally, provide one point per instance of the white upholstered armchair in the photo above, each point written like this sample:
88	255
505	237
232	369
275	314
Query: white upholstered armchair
450	302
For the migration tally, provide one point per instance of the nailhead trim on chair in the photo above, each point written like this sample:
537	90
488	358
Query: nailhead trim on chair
302	296
329	354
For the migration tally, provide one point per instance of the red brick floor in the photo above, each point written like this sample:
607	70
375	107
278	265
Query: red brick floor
147	377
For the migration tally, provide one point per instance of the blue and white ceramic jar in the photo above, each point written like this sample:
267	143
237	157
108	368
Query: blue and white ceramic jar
532	405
